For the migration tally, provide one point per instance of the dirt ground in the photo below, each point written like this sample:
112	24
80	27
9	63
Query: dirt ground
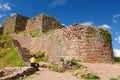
104	71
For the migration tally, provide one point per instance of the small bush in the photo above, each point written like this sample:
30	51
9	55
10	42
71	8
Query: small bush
118	78
90	76
54	67
71	62
33	34
61	59
113	79
117	59
41	56
42	59
77	66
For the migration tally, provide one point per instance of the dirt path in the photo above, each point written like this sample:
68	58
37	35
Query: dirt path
104	71
45	74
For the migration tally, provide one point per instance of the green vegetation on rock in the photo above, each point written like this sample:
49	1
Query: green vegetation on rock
117	59
8	55
105	34
41	56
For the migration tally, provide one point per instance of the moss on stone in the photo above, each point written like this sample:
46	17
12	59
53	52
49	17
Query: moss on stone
105	34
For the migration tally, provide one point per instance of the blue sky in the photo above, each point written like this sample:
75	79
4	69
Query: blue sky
103	13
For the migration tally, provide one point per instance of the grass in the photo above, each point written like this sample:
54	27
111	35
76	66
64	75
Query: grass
90	76
8	55
41	56
54	67
117	60
117	78
11	58
71	62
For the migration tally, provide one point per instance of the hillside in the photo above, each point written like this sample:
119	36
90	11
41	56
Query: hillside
9	56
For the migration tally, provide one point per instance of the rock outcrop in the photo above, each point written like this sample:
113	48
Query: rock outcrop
14	73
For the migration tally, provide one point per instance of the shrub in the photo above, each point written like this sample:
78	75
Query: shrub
90	76
41	56
70	62
113	79
62	59
117	59
54	67
118	78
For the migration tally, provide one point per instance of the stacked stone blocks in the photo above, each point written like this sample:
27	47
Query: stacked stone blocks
84	43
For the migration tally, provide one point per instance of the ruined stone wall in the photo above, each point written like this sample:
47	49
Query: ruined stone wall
34	25
87	44
23	39
14	24
1	30
42	23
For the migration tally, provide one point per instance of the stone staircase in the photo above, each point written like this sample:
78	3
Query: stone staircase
23	51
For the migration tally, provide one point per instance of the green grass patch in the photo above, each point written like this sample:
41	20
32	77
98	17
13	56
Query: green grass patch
90	76
117	59
5	41
8	56
54	67
11	58
41	56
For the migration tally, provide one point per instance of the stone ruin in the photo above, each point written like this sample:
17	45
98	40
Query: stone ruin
15	23
42	23
14	73
39	24
84	43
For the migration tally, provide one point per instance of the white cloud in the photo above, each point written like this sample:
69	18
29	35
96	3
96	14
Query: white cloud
5	6
1	15
118	39
12	14
114	21
116	33
116	16
64	24
105	26
87	23
116	52
58	2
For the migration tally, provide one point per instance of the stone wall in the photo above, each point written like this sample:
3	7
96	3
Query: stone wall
14	23
42	23
1	30
85	43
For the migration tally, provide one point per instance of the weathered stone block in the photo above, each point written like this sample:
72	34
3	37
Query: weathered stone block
14	24
42	23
